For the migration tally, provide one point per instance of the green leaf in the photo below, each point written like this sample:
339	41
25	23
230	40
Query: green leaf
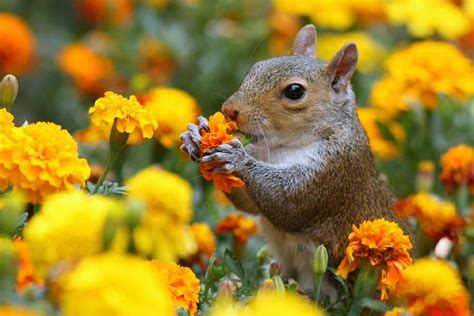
235	266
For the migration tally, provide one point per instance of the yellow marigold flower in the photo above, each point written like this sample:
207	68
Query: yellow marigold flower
371	53
337	14
182	283
433	287
241	226
458	167
173	109
42	159
130	115
6	125
437	218
424	19
96	134
114	285
269	303
164	232
71	225
416	74
383	148
204	237
17	45
12	310
381	243
115	12
89	70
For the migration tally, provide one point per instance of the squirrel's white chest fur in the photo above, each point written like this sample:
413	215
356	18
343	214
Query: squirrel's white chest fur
294	251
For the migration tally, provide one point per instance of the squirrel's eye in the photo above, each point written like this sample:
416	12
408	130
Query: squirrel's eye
294	91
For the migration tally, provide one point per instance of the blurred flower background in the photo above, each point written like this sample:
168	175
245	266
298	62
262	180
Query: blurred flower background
173	60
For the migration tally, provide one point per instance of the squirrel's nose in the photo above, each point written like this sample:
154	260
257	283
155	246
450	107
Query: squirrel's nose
230	111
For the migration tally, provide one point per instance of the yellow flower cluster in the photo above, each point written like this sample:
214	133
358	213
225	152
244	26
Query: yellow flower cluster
269	303
425	19
174	109
128	113
164	233
12	310
17	45
382	147
114	285
337	14
458	168
381	243
182	283
40	159
370	52
69	227
433	287
416	74
437	218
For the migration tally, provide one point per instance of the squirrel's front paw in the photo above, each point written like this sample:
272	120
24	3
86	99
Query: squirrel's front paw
226	157
192	138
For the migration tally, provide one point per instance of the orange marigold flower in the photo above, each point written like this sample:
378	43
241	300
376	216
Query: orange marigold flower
381	243
239	225
219	133
99	11
26	275
156	60
17	45
130	115
204	237
437	218
90	71
458	167
433	287
41	159
182	282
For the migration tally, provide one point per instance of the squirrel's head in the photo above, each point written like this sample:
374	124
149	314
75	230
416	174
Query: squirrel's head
287	97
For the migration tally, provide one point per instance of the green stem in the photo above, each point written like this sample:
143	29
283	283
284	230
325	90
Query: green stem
365	287
110	163
317	281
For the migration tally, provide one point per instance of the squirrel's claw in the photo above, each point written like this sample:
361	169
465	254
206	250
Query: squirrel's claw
191	142
203	123
226	157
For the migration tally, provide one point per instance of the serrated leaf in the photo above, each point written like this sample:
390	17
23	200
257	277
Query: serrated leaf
235	266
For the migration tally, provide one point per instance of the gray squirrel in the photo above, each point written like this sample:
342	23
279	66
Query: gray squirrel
308	172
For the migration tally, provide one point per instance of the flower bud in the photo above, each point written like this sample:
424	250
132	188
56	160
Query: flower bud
14	205
320	260
226	290
275	269
8	91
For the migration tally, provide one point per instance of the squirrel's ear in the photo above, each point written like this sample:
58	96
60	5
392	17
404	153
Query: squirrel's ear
305	41
342	66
